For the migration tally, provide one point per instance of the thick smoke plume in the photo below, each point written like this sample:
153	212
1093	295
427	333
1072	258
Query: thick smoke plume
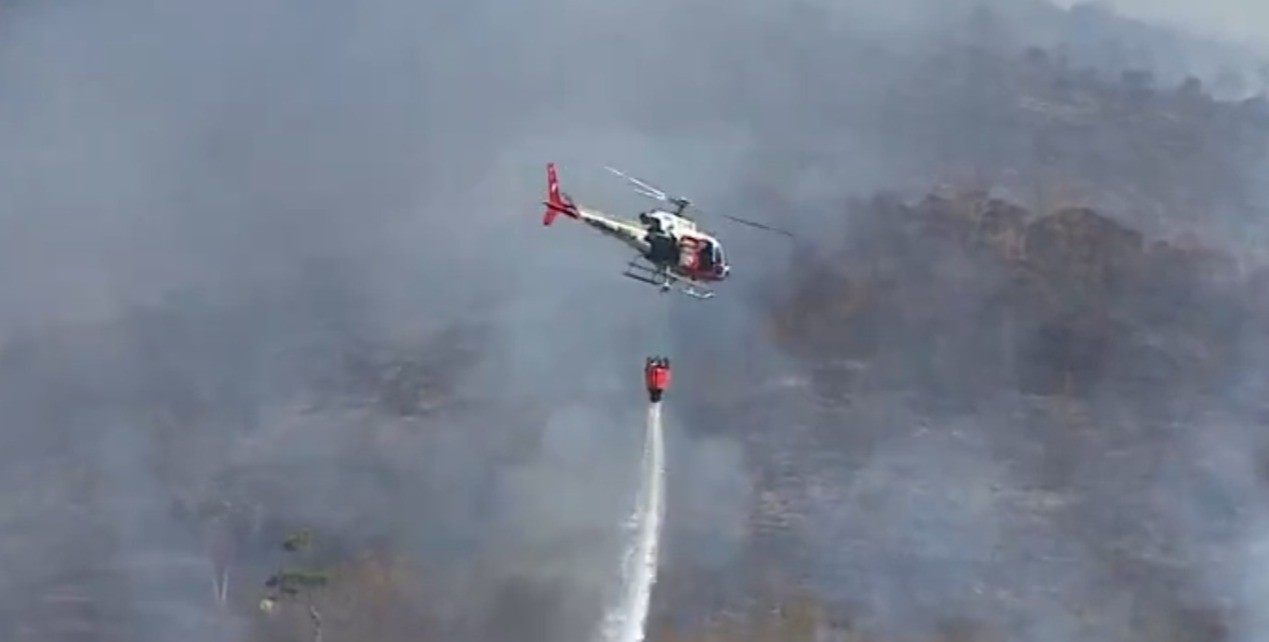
277	265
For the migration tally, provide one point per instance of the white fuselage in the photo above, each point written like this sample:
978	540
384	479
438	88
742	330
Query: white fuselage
639	236
671	224
629	232
634	233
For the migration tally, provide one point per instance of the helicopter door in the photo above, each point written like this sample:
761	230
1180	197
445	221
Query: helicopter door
688	248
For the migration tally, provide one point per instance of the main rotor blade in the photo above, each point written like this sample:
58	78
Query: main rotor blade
759	225
644	188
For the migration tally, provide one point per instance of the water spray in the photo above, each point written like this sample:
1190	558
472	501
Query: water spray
627	617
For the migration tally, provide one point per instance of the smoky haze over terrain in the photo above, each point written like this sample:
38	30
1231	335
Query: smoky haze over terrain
278	264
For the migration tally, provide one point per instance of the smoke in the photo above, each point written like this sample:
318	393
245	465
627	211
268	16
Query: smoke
205	209
1226	21
208	210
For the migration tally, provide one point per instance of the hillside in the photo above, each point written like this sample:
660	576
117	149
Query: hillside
1010	386
1054	364
1072	396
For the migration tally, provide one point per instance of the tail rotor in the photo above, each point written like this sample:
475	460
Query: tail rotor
556	201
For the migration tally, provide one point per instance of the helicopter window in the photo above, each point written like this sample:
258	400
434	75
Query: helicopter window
708	254
653	222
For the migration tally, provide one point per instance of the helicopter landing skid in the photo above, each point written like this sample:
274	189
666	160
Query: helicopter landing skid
662	279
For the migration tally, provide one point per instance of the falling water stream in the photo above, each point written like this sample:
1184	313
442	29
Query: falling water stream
627	615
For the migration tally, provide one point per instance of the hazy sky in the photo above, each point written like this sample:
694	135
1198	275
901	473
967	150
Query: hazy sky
1244	20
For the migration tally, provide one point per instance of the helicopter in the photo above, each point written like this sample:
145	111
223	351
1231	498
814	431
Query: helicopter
672	252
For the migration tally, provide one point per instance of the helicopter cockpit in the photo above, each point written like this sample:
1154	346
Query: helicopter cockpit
658	221
653	222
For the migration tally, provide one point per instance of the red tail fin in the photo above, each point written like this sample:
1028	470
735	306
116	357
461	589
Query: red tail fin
556	203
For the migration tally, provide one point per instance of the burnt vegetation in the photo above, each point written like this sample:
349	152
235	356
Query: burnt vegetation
1053	301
